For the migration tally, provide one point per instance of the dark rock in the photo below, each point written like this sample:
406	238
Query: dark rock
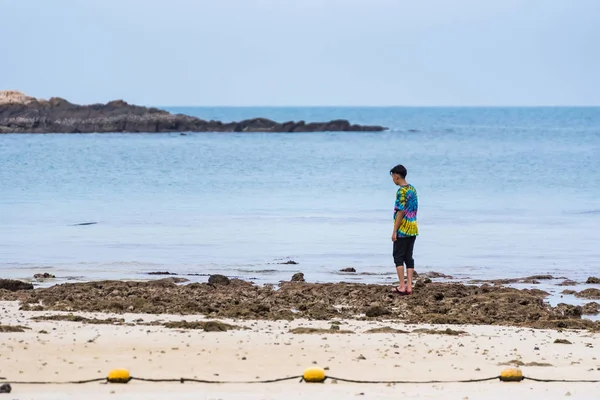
207	326
567	282
12	328
592	308
79	318
435	275
163	283
519	363
260	309
161	273
80	224
298	277
495	281
5	388
215	326
23	114
45	275
318	331
589	294
568	292
536	278
376	311
421	282
593	280
447	331
348	270
530	279
321	311
562	341
13	285
568	310
290	262
540	277
386	329
218	280
177	280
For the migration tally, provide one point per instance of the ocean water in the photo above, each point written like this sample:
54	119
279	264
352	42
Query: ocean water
503	192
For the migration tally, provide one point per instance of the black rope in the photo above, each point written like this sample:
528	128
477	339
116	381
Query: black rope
55	383
413	382
156	380
183	380
562	380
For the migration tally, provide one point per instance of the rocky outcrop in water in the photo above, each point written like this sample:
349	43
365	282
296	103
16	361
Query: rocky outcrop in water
13	285
23	114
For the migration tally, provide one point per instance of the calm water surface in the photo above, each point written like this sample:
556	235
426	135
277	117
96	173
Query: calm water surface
504	192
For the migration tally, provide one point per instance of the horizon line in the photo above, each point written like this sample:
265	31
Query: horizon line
377	106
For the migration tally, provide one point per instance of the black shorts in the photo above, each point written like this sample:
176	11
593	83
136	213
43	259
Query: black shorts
403	251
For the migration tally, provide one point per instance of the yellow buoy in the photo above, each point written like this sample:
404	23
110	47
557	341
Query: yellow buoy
511	375
314	375
119	376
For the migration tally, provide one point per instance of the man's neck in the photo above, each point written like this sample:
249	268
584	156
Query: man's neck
402	183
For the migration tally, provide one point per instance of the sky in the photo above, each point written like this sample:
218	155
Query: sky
304	52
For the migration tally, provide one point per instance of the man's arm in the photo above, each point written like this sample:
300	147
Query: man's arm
400	211
398	221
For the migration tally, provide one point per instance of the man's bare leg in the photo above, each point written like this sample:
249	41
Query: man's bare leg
409	278
400	271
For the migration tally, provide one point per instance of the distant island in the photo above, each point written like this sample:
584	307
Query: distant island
24	114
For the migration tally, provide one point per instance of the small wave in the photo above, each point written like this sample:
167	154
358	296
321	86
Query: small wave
113	263
589	212
73	278
397	130
32	267
261	271
363	273
378	273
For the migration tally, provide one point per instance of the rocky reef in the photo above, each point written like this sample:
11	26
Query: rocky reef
23	114
432	303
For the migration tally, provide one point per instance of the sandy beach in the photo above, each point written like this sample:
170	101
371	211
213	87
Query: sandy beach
55	350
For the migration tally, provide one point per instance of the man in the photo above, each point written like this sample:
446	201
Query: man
405	229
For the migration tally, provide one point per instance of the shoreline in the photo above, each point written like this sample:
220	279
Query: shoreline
55	350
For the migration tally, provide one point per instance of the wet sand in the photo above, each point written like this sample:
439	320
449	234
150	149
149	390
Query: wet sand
263	349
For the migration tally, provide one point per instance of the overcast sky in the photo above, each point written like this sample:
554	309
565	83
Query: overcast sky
304	52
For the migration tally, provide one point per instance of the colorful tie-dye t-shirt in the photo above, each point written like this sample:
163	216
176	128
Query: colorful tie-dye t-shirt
407	201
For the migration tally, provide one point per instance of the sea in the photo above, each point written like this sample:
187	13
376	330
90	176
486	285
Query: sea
503	192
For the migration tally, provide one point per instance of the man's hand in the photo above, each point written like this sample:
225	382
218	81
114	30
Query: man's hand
394	236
